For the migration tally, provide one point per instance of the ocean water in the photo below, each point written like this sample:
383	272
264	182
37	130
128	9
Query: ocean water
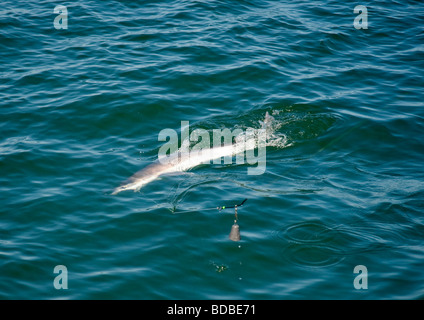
81	109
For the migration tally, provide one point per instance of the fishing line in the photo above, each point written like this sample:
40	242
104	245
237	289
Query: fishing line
235	229
215	208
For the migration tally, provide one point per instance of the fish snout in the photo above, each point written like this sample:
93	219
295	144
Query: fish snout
118	190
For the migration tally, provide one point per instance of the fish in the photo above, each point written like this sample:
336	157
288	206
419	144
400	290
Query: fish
179	162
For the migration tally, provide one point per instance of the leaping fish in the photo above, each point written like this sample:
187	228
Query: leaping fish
180	162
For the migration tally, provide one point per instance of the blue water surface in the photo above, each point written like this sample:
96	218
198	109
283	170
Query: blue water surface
81	109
